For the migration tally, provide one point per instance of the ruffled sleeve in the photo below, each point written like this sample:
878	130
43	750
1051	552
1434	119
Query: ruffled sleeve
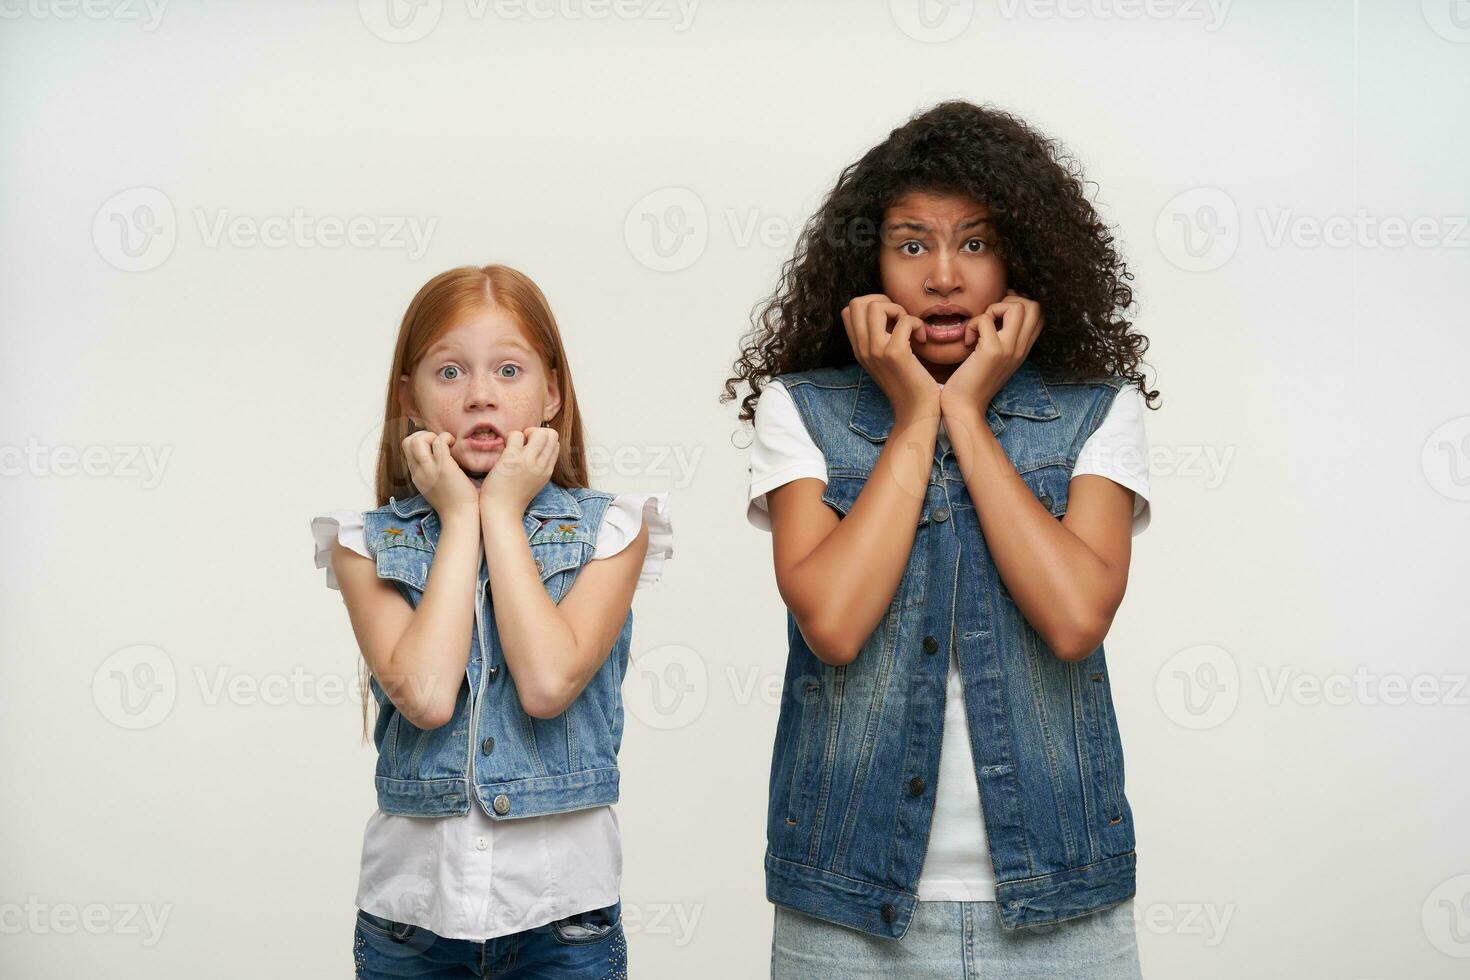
624	516
344	526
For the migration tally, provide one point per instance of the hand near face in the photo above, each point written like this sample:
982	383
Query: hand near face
524	466
1003	335
881	332
436	474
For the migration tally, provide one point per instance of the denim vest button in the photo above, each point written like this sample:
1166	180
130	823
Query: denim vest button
494	669
916	786
941	514
488	745
930	644
888	913
502	804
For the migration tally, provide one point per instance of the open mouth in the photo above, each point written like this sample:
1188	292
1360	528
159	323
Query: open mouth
945	326
484	438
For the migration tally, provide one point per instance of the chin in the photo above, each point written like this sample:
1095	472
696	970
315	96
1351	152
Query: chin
478	463
951	353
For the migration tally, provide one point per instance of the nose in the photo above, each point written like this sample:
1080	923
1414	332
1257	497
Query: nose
943	278
480	393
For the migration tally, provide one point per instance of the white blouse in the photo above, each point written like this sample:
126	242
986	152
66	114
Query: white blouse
957	865
472	877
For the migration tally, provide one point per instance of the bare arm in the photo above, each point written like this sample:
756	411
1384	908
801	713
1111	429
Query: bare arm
838	576
417	654
552	650
1067	577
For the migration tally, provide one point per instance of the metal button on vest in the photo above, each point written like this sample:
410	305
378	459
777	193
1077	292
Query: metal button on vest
487	746
930	644
941	514
494	669
501	804
916	786
888	913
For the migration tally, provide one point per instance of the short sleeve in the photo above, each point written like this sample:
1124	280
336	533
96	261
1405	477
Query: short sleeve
782	451
343	526
625	514
1118	450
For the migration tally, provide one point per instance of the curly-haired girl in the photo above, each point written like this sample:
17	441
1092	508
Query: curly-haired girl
950	455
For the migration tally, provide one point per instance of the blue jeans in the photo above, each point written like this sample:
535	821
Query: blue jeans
585	946
959	939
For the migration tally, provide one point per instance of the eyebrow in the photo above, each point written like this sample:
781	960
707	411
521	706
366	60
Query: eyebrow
923	229
515	342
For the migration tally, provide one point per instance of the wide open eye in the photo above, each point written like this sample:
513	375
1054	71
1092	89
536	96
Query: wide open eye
514	368
449	372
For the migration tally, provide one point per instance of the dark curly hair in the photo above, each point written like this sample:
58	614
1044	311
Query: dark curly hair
1056	250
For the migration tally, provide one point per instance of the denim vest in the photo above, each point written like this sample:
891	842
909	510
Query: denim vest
856	752
491	750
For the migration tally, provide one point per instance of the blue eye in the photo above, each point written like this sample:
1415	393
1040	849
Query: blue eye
448	368
511	367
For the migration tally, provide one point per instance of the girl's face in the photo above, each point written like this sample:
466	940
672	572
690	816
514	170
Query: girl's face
936	260
479	380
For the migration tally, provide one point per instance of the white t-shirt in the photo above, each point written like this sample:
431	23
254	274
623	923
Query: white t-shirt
472	877
957	864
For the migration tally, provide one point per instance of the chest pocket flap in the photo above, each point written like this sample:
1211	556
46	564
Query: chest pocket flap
403	553
1049	484
559	547
843	488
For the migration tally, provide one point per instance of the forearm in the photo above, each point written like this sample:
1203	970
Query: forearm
537	642
428	662
851	576
1055	579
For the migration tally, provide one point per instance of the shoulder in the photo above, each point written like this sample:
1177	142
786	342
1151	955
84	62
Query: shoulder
1100	388
845	376
626	515
341	526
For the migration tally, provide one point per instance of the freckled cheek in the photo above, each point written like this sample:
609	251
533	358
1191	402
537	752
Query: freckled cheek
441	413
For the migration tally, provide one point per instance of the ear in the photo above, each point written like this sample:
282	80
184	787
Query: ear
405	400
553	396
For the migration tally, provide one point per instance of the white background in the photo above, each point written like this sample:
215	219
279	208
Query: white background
1299	801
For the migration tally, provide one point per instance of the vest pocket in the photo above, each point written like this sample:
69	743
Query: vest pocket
556	563
1049	484
811	690
1101	729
